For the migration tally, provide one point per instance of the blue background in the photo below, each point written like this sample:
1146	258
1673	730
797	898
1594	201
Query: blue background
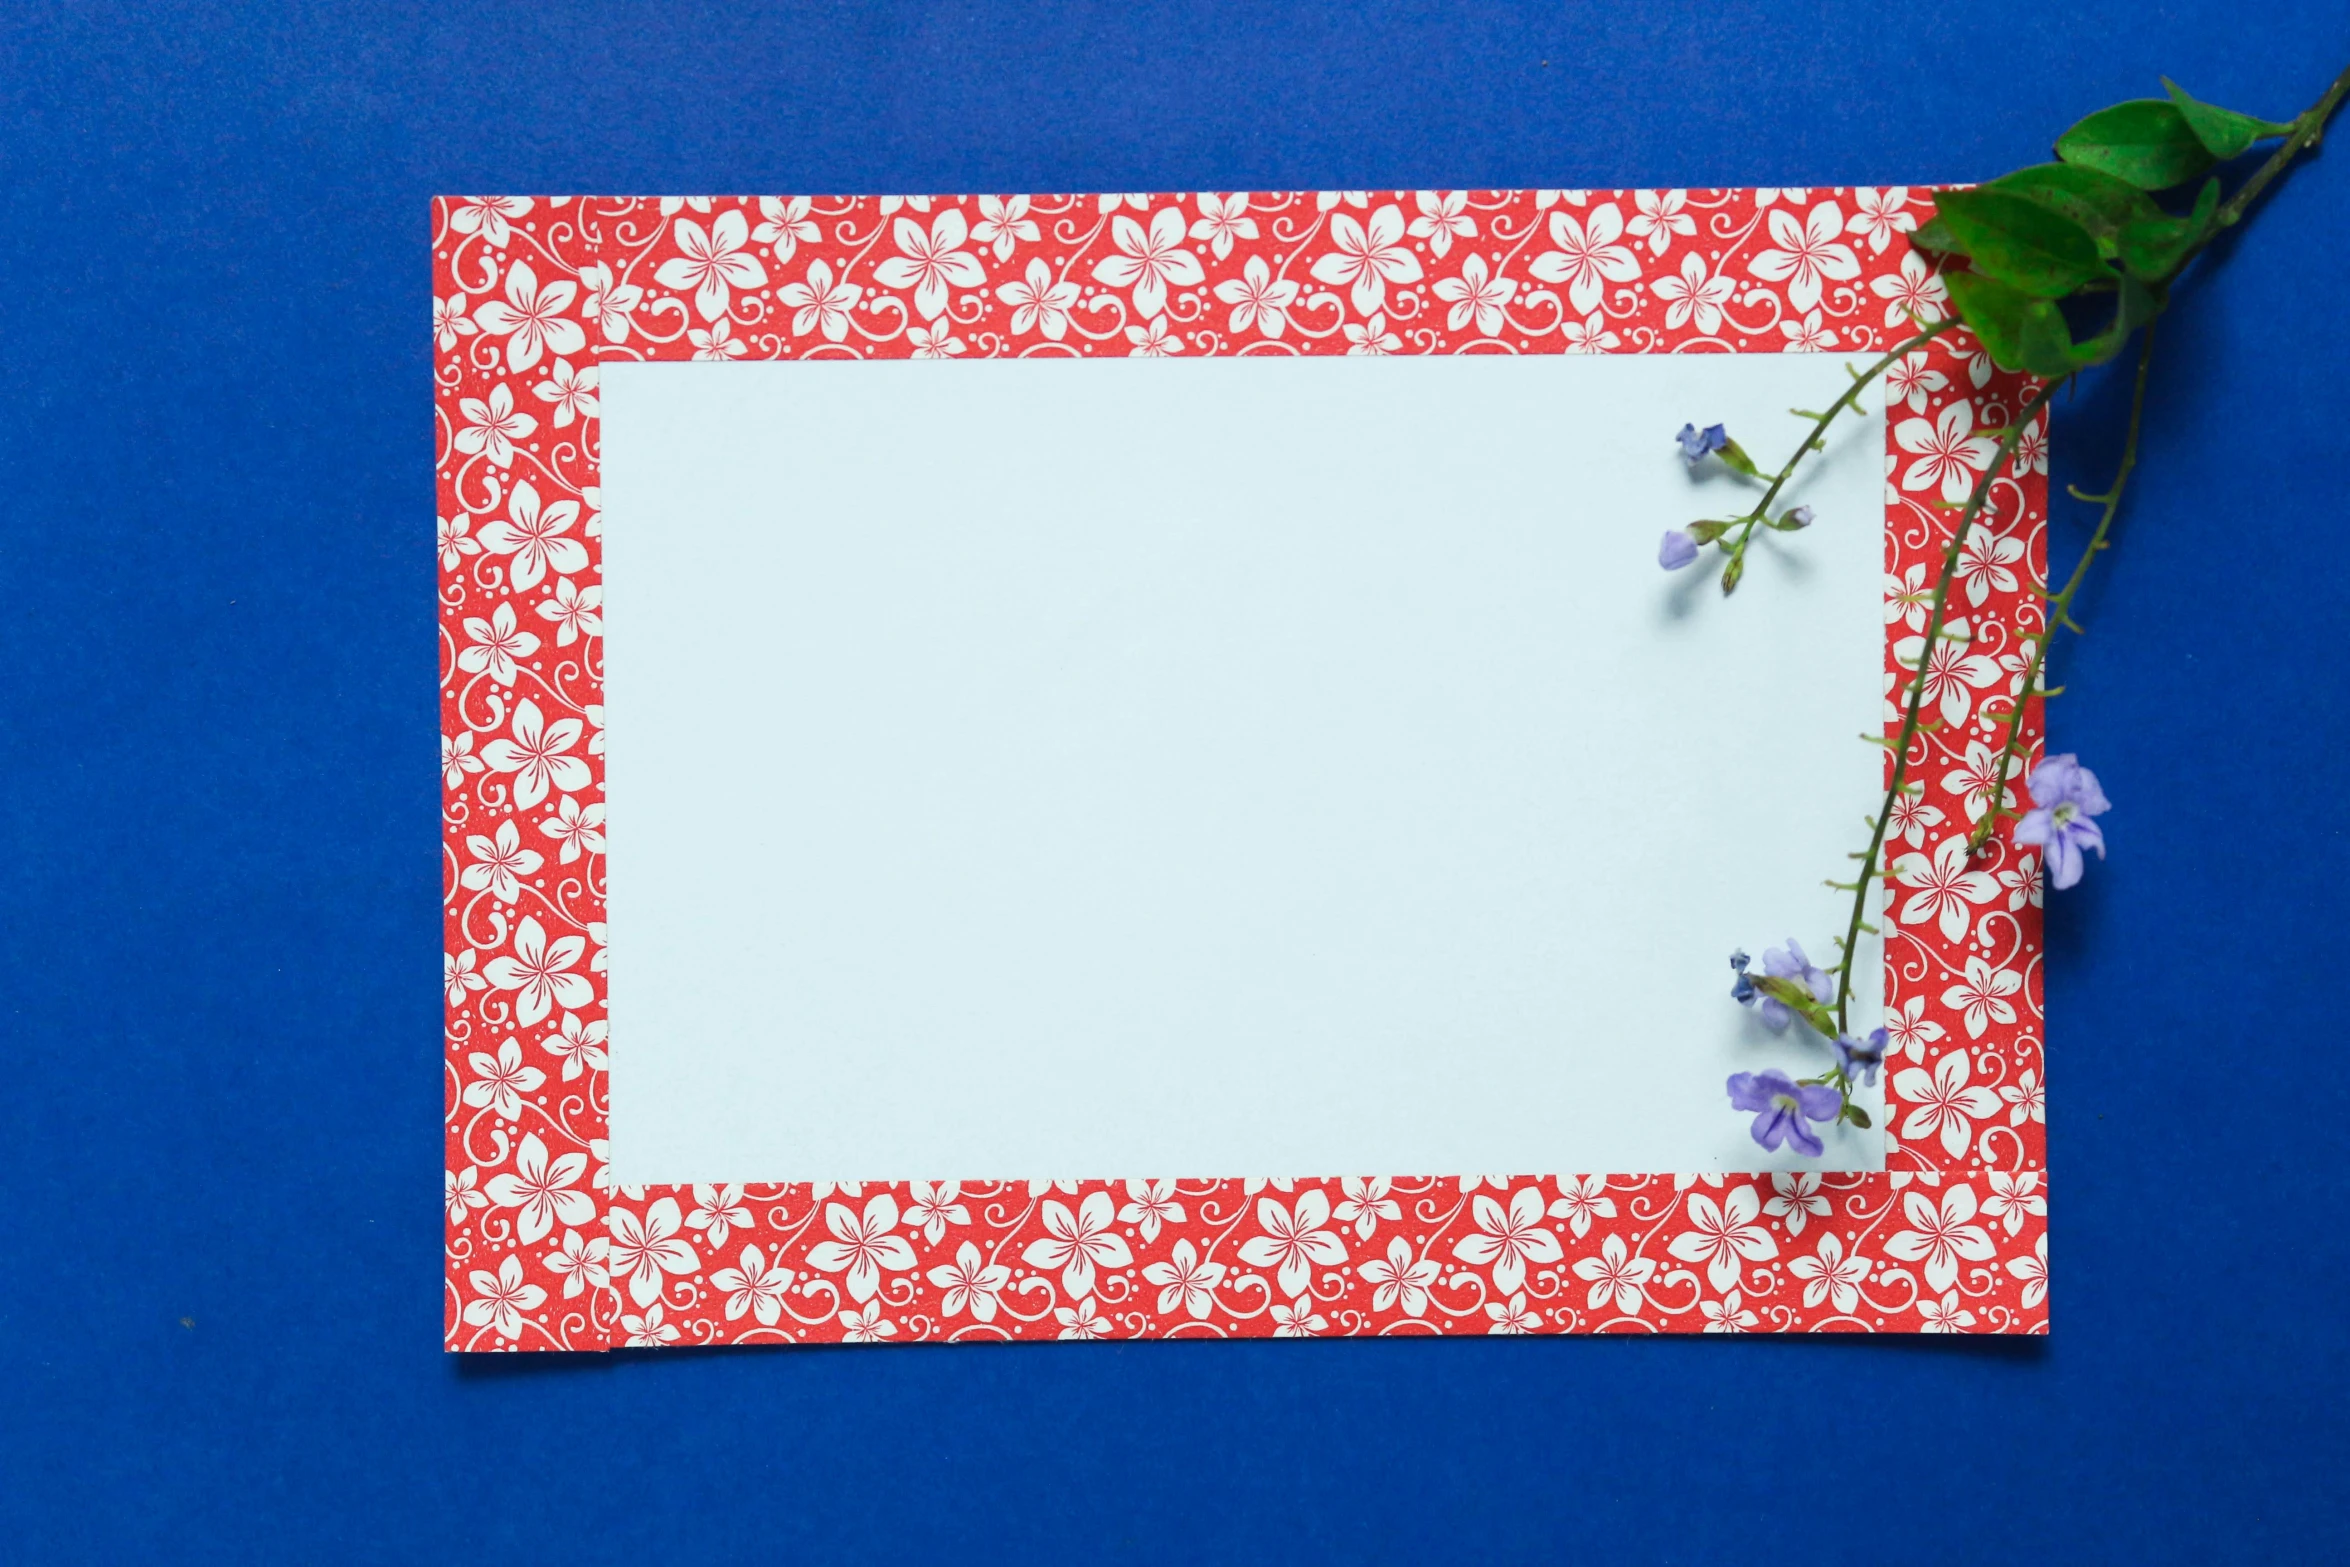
219	875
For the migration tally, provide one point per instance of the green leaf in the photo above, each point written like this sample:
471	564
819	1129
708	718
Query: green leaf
2134	305
2223	131
2098	202
2047	347
2019	331
2146	142
2021	243
2153	248
2139	304
1935	235
1734	457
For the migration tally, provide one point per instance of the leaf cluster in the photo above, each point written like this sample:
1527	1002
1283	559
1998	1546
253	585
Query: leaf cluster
2087	230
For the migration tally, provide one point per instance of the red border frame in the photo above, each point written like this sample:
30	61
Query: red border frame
531	294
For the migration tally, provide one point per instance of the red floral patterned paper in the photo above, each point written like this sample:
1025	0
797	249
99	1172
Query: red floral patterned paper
531	295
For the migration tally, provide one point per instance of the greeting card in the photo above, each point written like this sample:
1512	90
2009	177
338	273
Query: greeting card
1067	767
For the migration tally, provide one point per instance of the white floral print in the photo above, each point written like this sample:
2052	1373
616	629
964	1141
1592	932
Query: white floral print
1150	261
1946	1104
542	1189
1294	1242
531	318
1367	257
539	971
1615	1276
755	1287
542	934
932	262
1077	1243
1038	303
503	1298
492	426
1726	1238
1940	1237
863	1245
1807	255
818	304
1443	218
1829	1275
1186	1282
535	536
1586	256
712	264
971	1283
1510	1238
1398	1281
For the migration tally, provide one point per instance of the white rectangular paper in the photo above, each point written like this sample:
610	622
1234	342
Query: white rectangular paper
1216	768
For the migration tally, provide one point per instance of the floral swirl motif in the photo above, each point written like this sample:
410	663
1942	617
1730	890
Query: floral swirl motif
532	294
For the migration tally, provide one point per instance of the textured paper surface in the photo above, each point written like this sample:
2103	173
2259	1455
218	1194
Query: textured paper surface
536	299
1236	767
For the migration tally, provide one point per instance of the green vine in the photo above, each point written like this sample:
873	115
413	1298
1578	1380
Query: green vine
2054	268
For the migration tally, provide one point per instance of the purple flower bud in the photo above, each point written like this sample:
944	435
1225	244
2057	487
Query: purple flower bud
1695	443
2065	795
1677	550
1861	1058
1781	1106
1800	517
1742	988
1786	962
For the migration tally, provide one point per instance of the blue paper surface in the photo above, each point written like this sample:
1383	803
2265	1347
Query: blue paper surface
219	1004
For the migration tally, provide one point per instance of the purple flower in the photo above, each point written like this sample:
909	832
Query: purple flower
1781	1106
1678	550
1861	1058
1742	988
2065	795
1695	443
1800	517
1786	962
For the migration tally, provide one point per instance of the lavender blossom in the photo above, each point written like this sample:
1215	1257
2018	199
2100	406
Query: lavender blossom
1786	962
1677	550
1695	443
1861	1058
1742	988
2065	795
1781	1106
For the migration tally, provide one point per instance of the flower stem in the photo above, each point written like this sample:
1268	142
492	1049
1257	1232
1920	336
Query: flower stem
2060	607
1917	690
2308	129
1811	442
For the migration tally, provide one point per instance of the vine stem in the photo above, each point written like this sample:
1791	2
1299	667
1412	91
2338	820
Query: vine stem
2307	132
2060	606
1820	423
1917	688
2309	128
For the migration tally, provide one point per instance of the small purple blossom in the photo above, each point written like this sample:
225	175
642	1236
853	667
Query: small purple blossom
1695	443
1742	988
1786	962
1861	1058
1781	1106
1678	550
1800	517
2064	795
